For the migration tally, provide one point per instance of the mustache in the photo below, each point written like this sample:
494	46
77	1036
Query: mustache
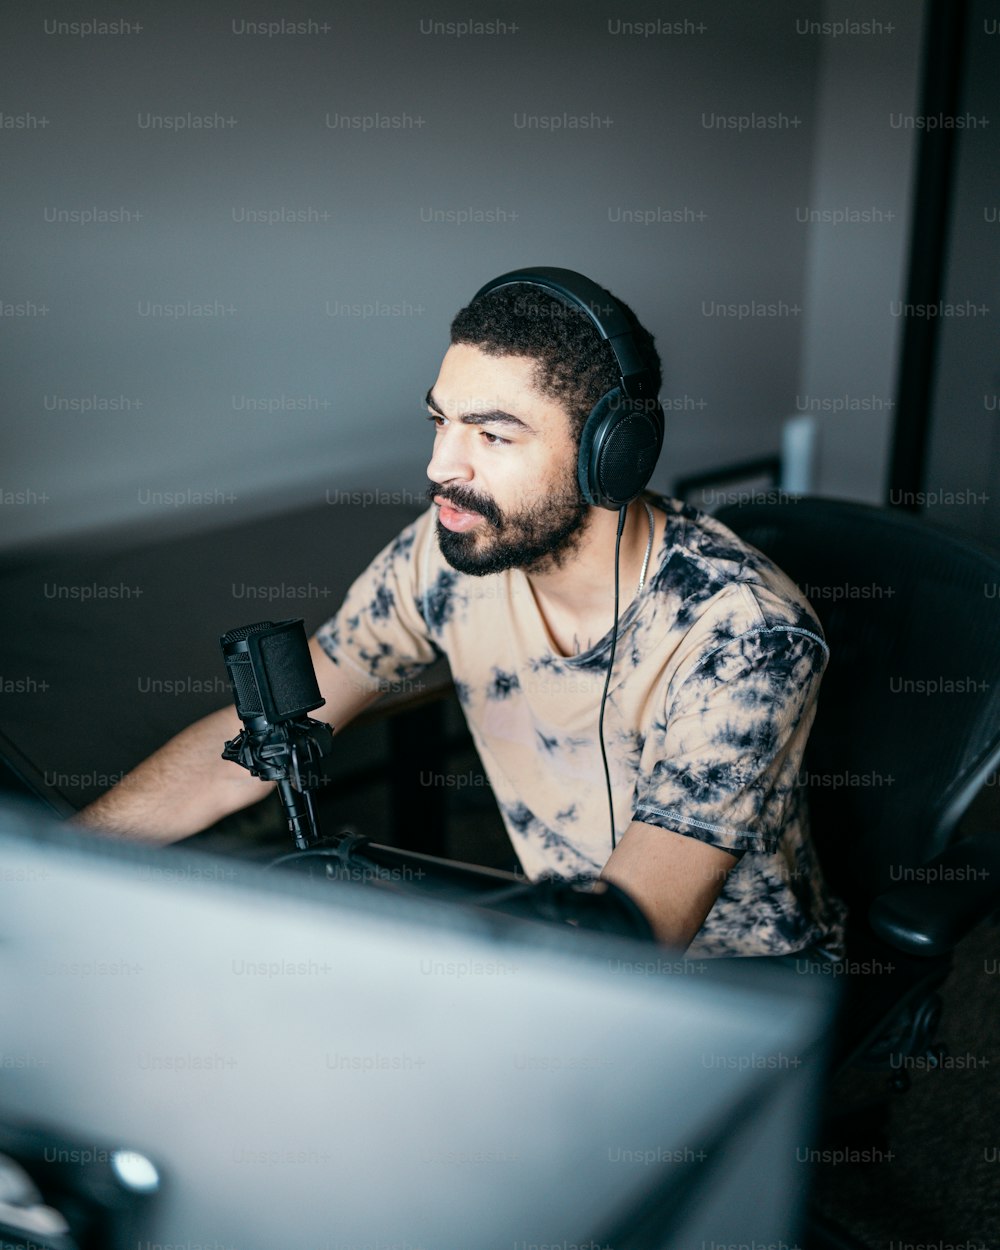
468	501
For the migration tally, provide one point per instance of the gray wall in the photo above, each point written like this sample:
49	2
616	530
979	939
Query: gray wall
862	195
329	260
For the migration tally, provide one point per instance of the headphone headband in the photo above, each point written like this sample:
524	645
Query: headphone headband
621	438
578	291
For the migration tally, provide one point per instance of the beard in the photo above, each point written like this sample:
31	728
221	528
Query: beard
536	538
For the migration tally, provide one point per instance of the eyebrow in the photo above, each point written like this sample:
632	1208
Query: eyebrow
495	416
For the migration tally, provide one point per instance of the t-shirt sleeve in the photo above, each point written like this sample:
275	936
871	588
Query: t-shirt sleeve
379	632
723	763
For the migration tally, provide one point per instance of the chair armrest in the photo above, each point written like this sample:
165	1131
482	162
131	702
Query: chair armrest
947	897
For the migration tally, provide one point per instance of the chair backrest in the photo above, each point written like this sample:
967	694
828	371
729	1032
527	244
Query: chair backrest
908	722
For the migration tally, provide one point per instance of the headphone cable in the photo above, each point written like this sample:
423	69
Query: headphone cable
623	512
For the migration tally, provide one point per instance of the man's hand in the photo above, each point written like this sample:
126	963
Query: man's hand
674	879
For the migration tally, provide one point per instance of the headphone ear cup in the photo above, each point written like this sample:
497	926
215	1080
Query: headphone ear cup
585	460
619	447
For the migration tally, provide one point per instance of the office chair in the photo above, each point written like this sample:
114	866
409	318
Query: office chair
907	731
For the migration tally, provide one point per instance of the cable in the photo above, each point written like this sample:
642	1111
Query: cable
607	680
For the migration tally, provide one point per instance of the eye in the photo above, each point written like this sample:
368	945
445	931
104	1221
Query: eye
491	440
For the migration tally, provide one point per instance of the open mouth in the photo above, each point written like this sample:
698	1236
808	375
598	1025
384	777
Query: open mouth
458	520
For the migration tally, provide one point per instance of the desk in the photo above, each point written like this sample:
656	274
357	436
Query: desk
110	650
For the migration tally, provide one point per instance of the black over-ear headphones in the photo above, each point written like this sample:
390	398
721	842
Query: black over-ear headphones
623	435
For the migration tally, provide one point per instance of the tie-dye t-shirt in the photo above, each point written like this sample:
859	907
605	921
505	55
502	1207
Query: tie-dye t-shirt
718	664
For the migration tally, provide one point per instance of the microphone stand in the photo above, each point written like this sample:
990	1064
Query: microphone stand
286	753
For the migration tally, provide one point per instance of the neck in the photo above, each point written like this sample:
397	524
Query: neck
582	588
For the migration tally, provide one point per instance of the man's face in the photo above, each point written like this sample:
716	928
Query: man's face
504	466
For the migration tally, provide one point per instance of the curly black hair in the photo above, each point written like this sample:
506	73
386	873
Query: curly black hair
574	365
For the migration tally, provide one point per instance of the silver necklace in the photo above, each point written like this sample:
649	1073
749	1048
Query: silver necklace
649	548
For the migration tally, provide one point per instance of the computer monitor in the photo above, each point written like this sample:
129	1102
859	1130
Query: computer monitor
334	1067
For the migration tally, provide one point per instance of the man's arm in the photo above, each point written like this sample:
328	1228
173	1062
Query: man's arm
723	765
186	786
674	879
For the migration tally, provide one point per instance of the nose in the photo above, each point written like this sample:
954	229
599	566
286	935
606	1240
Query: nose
449	460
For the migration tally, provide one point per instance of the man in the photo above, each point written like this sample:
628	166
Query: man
510	574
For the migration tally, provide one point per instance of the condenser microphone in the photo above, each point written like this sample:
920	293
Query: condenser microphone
274	686
271	671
